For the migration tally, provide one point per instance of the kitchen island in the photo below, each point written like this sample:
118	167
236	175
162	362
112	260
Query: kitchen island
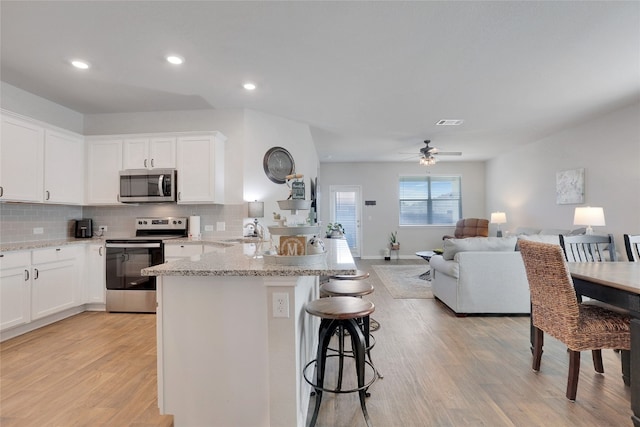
233	336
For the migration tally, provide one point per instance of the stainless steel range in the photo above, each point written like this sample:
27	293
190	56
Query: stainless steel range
127	290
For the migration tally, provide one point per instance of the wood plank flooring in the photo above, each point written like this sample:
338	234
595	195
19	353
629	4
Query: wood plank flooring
439	370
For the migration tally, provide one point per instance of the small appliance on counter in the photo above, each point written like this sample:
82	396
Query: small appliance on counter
84	228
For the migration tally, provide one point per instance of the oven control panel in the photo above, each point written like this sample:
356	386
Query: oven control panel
167	223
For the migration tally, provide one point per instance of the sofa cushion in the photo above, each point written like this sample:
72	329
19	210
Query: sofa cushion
478	244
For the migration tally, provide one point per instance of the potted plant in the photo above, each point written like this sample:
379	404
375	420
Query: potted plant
335	231
393	241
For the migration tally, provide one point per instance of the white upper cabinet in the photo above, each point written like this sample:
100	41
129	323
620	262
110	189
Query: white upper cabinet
104	162
21	160
149	153
200	168
63	168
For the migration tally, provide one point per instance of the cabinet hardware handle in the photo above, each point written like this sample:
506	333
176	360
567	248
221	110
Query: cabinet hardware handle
48	195
1	191
58	249
36	274
1	255
179	195
100	251
145	163
26	275
152	163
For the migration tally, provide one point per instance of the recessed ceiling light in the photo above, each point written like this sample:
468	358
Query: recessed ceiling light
449	122
78	63
249	86
175	59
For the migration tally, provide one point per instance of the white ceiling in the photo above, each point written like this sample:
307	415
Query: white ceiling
370	78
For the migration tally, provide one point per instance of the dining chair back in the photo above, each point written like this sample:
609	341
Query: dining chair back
555	310
588	248
632	244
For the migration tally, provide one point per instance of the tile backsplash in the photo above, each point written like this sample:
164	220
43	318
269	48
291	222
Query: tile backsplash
17	220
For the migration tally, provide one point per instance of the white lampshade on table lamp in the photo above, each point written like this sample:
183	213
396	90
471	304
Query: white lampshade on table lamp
588	216
498	218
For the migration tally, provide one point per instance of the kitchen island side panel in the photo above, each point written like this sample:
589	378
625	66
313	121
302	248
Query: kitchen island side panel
224	359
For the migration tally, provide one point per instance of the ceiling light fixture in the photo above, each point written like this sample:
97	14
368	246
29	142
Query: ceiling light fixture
175	59
78	63
427	160
449	122
249	86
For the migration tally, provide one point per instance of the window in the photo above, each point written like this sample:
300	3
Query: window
430	200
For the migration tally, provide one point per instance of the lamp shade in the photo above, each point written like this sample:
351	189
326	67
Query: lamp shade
588	216
256	209
498	218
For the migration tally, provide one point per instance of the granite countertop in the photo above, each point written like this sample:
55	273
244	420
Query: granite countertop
41	244
241	260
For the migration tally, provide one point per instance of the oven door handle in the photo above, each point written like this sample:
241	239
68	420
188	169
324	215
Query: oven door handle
133	245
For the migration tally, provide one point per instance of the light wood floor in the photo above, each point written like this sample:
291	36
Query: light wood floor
439	370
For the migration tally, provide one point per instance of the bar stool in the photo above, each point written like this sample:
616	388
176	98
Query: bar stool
340	312
359	275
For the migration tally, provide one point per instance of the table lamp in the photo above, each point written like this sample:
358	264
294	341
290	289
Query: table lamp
588	216
498	218
256	210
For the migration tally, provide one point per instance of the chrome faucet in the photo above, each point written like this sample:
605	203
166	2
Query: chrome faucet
257	229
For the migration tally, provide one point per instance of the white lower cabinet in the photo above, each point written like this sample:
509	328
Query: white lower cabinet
174	252
53	288
15	289
39	283
95	274
55	280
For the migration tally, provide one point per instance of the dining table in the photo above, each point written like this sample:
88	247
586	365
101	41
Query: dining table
616	284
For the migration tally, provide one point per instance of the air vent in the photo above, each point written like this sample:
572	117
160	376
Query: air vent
449	122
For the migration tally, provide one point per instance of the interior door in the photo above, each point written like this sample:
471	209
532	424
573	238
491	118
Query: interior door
345	204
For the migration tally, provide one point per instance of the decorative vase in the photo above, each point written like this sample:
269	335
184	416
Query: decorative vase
395	246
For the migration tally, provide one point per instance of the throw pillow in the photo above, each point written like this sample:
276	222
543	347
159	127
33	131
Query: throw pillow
478	244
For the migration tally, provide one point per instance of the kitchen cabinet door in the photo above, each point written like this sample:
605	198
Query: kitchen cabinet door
21	160
149	153
63	168
104	162
95	277
174	252
15	289
53	288
162	153
200	165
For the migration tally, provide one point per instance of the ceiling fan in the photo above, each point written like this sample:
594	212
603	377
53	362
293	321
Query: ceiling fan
427	153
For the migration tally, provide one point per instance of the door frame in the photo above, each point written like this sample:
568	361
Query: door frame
357	250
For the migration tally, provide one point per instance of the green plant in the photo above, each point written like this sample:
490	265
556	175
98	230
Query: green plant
334	227
393	238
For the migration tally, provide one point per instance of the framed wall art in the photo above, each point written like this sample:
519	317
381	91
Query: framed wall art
570	187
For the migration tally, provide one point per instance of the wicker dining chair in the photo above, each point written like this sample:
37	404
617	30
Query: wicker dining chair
556	311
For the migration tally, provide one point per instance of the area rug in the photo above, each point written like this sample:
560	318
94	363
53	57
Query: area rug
403	281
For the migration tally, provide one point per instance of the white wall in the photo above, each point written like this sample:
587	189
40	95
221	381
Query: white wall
522	183
261	132
379	182
36	107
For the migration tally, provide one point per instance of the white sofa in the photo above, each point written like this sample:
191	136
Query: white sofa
481	275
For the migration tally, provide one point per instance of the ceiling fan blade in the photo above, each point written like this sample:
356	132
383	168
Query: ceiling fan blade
448	153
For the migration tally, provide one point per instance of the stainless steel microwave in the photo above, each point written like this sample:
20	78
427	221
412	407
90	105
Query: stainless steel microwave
148	186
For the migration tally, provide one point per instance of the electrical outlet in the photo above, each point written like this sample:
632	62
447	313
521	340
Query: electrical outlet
280	304
220	226
38	230
208	228
103	228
